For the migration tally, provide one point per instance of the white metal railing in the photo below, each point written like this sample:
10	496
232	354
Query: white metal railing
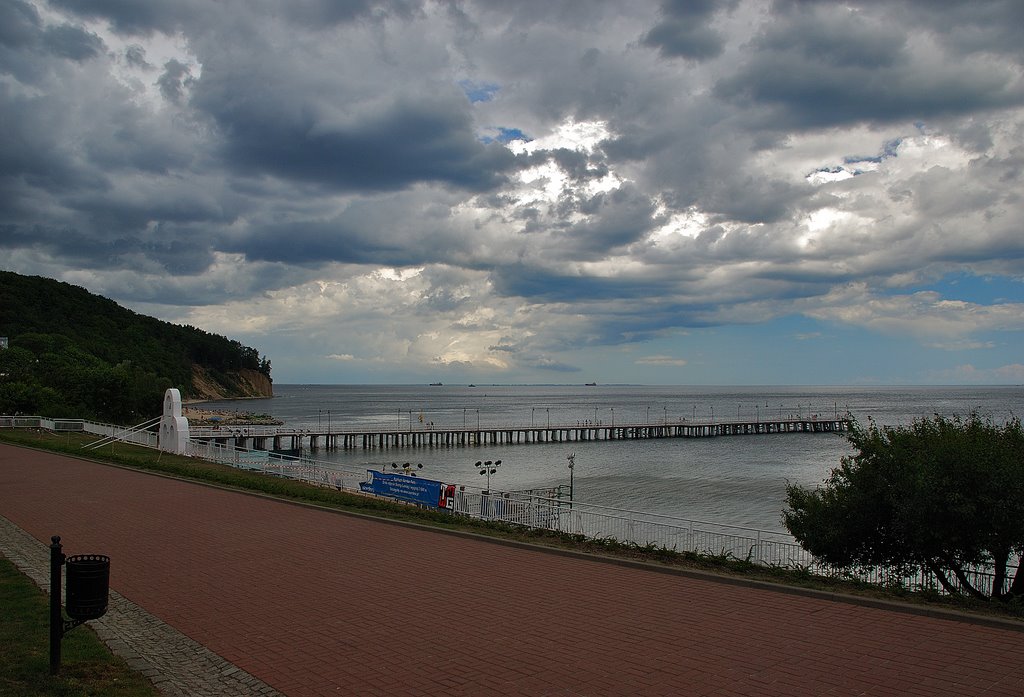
632	528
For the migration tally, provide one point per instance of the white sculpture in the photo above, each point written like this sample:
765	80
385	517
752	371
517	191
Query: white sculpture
173	426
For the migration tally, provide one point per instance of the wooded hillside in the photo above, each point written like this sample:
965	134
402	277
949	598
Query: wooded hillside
75	354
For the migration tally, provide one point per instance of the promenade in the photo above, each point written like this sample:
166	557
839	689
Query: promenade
304	601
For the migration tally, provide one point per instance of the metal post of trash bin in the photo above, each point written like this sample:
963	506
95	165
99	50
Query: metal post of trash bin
88	591
56	621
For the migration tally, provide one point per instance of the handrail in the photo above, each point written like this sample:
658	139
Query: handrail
126	432
660	531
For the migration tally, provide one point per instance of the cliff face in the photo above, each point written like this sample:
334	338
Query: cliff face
241	384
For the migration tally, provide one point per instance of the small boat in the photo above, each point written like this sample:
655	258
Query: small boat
590	384
472	385
436	384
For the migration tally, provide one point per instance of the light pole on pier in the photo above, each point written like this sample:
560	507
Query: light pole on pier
547	410
571	457
613	417
666	415
532	410
712	414
488	468
648	414
328	421
478	419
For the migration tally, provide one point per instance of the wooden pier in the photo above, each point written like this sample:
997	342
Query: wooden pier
290	439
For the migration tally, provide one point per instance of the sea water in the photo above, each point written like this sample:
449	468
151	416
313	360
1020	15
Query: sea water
732	480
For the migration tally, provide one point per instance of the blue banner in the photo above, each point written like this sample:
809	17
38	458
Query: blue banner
406	488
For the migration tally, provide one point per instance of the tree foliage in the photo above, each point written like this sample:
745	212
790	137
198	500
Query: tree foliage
944	494
75	354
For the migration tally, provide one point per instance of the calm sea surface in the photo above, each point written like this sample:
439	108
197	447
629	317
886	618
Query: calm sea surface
729	480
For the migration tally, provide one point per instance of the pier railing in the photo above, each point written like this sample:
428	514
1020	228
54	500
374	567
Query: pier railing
368	437
646	531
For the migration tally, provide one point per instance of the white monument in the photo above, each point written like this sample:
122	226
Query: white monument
173	426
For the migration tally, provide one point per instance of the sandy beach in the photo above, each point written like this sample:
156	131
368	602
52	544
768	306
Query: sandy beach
226	417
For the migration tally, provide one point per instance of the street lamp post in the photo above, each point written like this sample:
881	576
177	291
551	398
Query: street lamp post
488	468
613	417
548	412
532	410
571	457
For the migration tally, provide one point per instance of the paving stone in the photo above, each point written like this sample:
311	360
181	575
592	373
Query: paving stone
305	601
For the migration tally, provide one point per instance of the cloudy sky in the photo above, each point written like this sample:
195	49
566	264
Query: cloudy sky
695	192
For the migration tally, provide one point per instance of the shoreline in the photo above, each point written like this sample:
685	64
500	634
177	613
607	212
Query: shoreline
224	417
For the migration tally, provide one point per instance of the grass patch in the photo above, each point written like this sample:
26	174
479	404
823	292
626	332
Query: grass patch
87	666
223	475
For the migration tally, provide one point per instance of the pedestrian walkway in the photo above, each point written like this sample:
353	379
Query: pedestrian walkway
311	602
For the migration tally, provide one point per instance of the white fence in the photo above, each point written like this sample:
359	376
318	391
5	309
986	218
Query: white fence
631	528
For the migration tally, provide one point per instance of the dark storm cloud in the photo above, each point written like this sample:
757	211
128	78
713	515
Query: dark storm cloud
130	17
545	284
19	23
396	230
175	78
25	43
318	242
142	18
319	13
72	42
406	142
135	55
687	161
615	219
684	30
822	65
979	26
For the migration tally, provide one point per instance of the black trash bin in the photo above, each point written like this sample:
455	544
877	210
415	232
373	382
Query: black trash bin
88	581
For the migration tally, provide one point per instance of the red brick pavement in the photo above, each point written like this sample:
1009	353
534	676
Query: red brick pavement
318	603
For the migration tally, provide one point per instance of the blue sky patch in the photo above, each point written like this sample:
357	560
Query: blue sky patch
983	290
505	135
479	91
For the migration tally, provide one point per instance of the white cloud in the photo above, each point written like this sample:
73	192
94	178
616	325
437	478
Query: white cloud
315	177
924	314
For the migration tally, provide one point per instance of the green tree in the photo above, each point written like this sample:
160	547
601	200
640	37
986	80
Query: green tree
73	353
943	494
